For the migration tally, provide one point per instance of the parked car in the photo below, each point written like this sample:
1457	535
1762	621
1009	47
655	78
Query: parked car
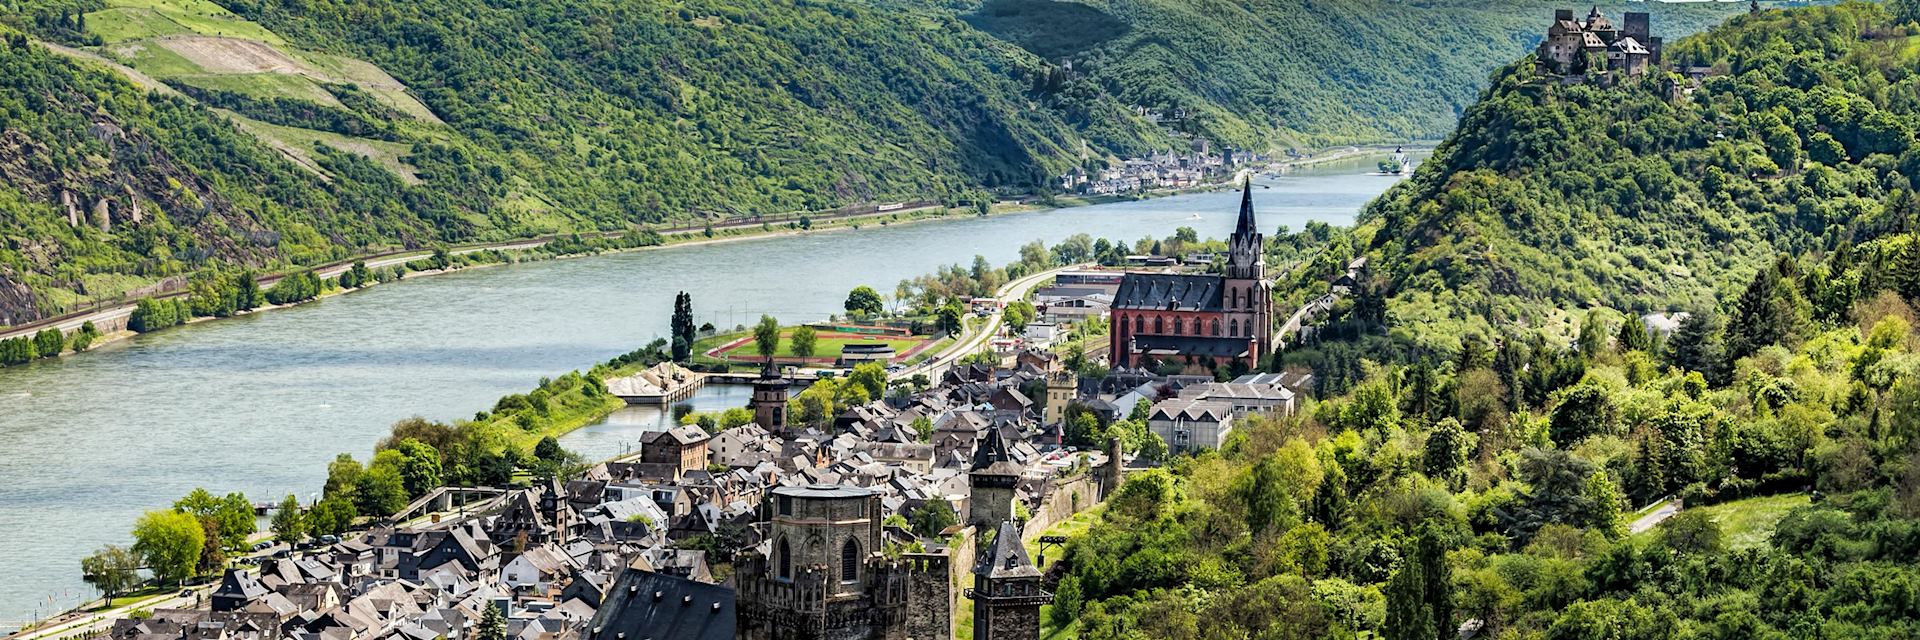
329	539
186	593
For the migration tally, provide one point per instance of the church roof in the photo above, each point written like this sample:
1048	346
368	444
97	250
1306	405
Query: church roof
1193	345
1007	558
1166	291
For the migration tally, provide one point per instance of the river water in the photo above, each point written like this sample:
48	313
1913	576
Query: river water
260	404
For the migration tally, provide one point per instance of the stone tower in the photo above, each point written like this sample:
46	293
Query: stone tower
770	401
823	573
1249	296
1006	590
992	481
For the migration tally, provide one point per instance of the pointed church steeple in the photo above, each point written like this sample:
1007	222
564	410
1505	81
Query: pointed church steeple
1246	227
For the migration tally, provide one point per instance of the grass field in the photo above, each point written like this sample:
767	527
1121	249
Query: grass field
136	19
1746	523
1071	528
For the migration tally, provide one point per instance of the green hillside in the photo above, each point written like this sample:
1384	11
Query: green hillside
403	123
1472	461
1287	72
1657	195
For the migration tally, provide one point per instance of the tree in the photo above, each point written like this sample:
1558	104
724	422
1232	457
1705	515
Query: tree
49	342
949	318
1449	446
343	476
1695	346
419	467
1605	505
864	301
1586	410
113	570
933	517
1692	532
1633	336
83	339
493	626
288	525
923	428
170	542
381	491
804	338
766	337
1420	594
1593	334
332	515
870	376
1019	314
682	328
232	516
246	290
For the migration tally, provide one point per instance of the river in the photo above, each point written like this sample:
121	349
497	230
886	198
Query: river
260	403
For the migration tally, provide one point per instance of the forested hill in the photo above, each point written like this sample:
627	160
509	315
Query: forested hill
1253	74
1658	194
401	123
1468	473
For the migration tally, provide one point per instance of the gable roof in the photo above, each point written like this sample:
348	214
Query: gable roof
1163	291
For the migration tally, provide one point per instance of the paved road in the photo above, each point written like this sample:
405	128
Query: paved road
1651	520
973	341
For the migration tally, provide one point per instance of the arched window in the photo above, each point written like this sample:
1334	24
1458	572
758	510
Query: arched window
1236	297
1216	327
783	560
1139	324
1233	328
1179	326
1158	325
850	561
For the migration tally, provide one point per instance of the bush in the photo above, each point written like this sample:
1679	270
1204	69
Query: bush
49	342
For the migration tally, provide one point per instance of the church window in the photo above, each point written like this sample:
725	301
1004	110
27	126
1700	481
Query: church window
1139	324
850	561
1179	326
1158	325
1233	328
1216	327
783	559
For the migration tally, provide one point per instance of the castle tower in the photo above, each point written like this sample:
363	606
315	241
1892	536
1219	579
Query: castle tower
824	574
1006	590
1249	296
993	478
770	401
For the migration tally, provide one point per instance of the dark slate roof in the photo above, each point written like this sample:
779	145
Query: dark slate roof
824	491
1193	345
644	604
1007	558
1184	292
992	455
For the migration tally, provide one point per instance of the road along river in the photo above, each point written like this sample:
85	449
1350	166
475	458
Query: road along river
260	403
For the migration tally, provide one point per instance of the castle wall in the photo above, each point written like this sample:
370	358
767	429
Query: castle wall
930	596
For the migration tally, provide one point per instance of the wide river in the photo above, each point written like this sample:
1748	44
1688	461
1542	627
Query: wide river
259	404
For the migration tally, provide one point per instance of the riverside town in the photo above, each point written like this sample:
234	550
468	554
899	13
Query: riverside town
987	320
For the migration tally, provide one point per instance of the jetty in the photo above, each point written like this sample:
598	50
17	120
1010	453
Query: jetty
664	383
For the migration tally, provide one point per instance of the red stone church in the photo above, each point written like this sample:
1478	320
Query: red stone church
1199	319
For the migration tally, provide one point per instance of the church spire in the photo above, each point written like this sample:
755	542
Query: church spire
1246	228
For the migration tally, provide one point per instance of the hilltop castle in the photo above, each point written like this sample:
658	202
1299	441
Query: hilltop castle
1575	48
